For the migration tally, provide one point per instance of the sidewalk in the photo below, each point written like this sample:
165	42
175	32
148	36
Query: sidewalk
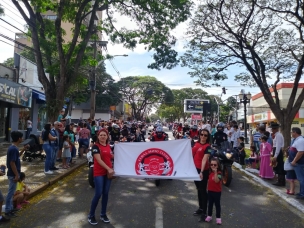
34	172
279	191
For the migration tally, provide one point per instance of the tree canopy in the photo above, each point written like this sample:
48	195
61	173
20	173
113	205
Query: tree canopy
62	59
142	92
9	62
263	37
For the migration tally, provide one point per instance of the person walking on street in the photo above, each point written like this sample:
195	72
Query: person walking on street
103	170
214	191
201	152
13	170
296	158
278	156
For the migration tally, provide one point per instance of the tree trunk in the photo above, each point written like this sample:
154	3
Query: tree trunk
285	122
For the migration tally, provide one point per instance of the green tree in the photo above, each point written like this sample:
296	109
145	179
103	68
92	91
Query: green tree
9	62
266	40
63	59
143	91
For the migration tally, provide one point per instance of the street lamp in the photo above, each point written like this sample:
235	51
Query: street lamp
245	99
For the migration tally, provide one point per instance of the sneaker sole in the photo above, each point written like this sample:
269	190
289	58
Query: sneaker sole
105	221
94	224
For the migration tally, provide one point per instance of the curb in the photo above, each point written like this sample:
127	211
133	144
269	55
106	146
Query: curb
293	202
44	186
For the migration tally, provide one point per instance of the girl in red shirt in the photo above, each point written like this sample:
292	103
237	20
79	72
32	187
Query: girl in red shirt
201	152
102	153
214	190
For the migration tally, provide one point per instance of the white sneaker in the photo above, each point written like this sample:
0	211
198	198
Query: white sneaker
49	172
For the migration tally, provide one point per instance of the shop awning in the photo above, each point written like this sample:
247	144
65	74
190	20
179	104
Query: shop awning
39	96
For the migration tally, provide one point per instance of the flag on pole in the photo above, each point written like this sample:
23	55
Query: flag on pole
160	160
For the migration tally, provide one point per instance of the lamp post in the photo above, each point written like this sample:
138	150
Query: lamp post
245	99
218	110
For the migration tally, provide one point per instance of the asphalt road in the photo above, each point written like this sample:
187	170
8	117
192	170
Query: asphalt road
137	203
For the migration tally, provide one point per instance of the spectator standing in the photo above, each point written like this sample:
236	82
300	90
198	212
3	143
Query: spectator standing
13	170
241	150
28	128
84	140
278	154
47	137
93	128
55	145
256	135
296	158
291	176
265	154
69	131
66	155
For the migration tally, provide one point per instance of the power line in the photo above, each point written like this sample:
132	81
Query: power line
13	12
13	26
7	29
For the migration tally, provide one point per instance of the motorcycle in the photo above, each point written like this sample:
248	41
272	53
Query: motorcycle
225	156
91	165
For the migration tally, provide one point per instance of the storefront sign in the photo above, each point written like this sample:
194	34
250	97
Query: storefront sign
15	93
295	122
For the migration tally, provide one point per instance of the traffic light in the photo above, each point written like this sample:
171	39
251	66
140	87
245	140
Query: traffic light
224	90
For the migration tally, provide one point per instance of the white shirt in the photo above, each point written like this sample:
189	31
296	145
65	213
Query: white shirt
236	135
278	143
208	127
29	124
299	143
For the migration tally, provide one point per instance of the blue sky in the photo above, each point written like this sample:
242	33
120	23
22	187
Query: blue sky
137	61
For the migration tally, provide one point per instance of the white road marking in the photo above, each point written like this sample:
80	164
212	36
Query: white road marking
159	218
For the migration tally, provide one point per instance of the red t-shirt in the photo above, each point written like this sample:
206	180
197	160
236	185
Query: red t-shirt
212	185
193	133
106	156
179	129
198	152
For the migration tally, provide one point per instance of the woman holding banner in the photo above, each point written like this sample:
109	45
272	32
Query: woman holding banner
103	171
201	152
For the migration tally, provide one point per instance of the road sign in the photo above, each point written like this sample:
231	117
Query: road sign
194	105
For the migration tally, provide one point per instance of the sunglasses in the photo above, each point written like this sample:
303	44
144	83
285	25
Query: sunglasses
204	135
213	165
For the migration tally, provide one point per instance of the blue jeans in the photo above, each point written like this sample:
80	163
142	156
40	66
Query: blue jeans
48	151
54	156
11	190
102	188
257	145
299	169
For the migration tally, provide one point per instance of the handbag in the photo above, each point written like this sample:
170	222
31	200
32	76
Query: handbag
287	165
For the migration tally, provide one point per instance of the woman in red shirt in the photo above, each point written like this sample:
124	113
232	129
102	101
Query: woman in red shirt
102	153
201	152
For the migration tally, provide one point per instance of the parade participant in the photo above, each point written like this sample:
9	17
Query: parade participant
115	133
265	154
103	170
220	136
278	155
159	135
186	127
296	158
193	132
214	190
201	153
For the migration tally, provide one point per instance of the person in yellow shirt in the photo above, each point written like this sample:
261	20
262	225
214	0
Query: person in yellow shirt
22	192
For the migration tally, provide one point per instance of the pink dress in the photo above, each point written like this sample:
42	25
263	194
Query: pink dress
265	168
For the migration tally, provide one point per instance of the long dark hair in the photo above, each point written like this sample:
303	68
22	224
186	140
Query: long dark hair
217	162
67	129
209	135
46	132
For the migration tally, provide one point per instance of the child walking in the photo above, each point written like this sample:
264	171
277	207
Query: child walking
214	190
22	192
66	155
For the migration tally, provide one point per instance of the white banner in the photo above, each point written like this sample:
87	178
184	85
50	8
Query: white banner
159	160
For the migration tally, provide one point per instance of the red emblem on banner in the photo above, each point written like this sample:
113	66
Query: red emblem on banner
154	161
